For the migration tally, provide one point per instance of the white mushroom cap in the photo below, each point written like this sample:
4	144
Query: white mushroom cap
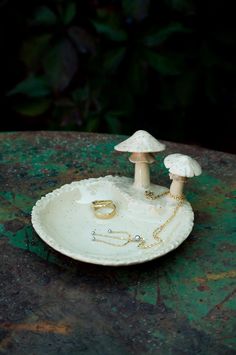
182	165
140	142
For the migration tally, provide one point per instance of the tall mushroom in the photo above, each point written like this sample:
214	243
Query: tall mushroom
141	144
180	168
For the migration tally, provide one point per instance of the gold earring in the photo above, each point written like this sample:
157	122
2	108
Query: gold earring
124	236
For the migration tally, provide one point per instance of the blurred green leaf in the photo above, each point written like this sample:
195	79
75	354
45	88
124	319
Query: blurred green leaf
92	124
115	34
60	64
137	9
67	113
44	16
34	107
113	58
225	38
166	65
32	86
123	97
185	88
136	76
108	16
208	57
103	13
33	49
211	87
69	13
64	102
82	40
165	100
161	35
80	94
186	6
113	120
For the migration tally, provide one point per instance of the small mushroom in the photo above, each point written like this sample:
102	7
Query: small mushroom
180	168
141	144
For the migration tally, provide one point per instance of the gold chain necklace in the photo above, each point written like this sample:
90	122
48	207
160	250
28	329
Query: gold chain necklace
159	229
126	237
151	196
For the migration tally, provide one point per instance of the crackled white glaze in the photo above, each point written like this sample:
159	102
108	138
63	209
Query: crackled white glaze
64	219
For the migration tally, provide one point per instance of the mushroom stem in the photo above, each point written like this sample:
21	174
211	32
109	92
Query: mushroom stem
142	175
176	188
177	185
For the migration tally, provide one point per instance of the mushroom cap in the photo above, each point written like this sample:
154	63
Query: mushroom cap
140	142
142	158
182	165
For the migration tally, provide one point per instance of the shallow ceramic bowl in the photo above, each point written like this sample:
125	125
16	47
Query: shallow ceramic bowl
65	220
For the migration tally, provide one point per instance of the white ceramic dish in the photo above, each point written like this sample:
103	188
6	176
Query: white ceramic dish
65	220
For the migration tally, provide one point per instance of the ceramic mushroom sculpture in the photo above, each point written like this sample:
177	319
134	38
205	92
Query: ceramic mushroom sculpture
180	168
142	145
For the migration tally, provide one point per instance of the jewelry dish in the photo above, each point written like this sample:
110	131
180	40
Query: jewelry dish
66	221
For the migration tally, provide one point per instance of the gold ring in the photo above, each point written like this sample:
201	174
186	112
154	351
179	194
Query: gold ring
99	205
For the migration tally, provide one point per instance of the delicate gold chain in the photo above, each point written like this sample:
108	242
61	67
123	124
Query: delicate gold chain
151	196
143	244
159	229
177	197
127	238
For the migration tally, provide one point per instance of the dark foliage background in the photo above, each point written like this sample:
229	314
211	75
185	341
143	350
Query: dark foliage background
167	66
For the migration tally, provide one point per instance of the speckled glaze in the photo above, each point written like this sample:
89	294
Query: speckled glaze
182	165
140	142
65	220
